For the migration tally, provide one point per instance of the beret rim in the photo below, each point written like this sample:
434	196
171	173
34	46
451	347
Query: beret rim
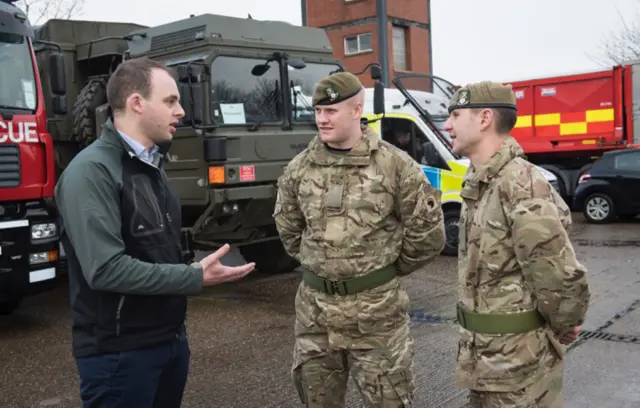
483	105
328	102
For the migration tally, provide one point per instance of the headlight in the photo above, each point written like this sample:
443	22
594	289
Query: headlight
43	257
42	231
38	257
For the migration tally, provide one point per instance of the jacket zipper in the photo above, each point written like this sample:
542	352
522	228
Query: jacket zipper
120	304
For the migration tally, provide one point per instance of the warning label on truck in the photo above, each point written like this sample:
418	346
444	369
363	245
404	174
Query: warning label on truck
247	173
548	91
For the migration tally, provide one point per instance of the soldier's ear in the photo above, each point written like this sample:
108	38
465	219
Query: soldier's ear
485	118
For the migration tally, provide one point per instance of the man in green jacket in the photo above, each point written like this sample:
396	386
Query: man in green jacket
121	225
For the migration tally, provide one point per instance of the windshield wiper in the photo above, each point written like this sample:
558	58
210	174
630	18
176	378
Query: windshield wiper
302	99
16	108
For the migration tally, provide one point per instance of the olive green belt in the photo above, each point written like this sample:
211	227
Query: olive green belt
498	323
349	286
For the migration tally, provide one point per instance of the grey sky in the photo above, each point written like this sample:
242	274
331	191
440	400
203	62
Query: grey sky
472	39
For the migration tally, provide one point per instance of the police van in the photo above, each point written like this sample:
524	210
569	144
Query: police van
413	120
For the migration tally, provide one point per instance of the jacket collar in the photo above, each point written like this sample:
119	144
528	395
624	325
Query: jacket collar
360	155
475	178
112	136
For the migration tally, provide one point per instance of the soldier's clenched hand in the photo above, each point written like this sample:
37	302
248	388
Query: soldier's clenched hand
214	272
570	337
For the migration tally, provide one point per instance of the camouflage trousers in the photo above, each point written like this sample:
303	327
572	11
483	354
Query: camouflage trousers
545	393
383	376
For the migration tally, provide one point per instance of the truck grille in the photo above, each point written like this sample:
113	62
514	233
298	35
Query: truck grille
9	166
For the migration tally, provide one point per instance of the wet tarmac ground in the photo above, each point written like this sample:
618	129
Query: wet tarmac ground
241	337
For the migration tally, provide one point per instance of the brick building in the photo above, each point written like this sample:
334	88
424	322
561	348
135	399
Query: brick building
364	31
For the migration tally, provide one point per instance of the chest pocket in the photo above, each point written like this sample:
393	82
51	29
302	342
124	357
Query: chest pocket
146	214
369	198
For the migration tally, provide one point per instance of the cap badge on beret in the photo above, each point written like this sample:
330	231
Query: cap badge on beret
463	99
331	93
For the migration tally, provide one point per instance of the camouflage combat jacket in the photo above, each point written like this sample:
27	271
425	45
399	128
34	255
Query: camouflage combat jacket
346	215
515	255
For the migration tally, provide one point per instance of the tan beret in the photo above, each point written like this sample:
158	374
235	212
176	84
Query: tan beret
484	94
336	88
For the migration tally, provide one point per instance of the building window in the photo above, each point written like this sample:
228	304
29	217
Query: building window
399	44
354	44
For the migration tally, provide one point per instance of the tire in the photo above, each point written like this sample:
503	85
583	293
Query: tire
7	307
452	231
598	208
270	257
93	95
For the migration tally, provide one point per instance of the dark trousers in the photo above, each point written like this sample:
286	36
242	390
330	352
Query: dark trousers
153	377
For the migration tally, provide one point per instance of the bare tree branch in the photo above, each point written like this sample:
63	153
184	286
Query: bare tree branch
39	11
622	44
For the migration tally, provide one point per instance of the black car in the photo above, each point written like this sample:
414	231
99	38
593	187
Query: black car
610	188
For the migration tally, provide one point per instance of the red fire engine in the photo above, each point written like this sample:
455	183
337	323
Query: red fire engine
565	122
29	236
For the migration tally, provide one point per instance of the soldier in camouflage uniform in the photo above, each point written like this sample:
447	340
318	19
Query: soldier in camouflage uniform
356	212
523	295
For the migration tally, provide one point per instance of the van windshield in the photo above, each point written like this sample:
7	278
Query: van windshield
430	96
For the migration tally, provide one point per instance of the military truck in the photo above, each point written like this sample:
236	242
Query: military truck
245	86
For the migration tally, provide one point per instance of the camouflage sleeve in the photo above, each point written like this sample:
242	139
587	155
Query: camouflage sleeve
540	221
288	217
418	207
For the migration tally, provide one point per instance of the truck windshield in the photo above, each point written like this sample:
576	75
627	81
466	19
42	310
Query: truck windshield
243	94
303	82
17	80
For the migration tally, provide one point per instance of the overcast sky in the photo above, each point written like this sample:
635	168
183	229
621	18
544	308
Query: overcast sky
472	39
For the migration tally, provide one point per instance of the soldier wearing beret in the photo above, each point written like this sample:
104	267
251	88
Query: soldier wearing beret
523	294
357	213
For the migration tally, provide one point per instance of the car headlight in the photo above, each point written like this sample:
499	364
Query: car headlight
43	231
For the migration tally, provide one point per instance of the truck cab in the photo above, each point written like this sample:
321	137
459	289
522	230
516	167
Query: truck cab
29	238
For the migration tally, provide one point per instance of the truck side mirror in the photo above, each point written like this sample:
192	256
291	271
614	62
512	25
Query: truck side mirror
378	98
376	72
57	74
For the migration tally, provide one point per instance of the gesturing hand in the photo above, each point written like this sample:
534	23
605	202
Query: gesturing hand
214	272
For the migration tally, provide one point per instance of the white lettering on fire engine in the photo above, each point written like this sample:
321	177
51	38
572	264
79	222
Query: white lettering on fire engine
26	132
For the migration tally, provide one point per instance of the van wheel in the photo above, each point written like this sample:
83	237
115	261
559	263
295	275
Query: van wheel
598	208
452	231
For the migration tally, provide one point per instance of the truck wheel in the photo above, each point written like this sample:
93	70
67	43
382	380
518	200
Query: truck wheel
270	257
598	208
7	307
452	231
93	95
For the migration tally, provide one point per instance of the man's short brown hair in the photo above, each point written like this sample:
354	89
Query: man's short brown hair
504	118
132	76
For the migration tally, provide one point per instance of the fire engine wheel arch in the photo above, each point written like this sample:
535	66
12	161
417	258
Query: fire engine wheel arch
93	95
